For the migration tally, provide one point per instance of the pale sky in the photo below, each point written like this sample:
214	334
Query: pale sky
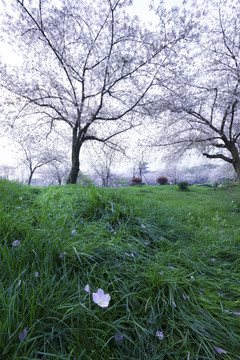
141	8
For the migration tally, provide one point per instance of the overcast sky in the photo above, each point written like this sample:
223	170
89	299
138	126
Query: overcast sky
141	7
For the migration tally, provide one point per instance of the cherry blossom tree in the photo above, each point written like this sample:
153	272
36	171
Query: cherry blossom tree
56	171
202	95
103	164
36	154
87	67
7	171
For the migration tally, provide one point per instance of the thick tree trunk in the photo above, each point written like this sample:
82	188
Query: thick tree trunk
30	176
72	178
59	180
236	162
30	179
235	159
237	169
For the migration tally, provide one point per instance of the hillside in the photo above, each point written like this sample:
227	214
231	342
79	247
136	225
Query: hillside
169	261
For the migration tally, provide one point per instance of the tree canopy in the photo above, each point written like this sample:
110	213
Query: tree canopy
201	95
87	67
91	72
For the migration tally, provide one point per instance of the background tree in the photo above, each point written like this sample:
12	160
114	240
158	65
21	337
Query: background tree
103	162
36	153
7	171
172	172
201	97
56	171
87	66
120	181
142	167
138	154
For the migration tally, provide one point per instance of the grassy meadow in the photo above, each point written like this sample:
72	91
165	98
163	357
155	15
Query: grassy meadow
169	260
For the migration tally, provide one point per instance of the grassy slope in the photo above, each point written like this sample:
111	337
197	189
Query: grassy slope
169	260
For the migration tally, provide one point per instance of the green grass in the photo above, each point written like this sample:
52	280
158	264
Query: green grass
170	261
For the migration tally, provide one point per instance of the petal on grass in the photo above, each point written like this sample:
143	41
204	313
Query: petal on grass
219	350
87	288
118	337
23	334
159	334
236	313
62	255
232	312
16	243
101	299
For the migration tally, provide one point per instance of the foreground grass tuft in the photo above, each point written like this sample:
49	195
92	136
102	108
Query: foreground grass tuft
168	259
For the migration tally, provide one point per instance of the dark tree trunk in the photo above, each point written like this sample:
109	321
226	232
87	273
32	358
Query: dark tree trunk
76	147
30	177
59	180
237	169
236	161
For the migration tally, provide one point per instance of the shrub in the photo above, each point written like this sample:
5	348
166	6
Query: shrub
162	180
204	185
136	180
183	185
